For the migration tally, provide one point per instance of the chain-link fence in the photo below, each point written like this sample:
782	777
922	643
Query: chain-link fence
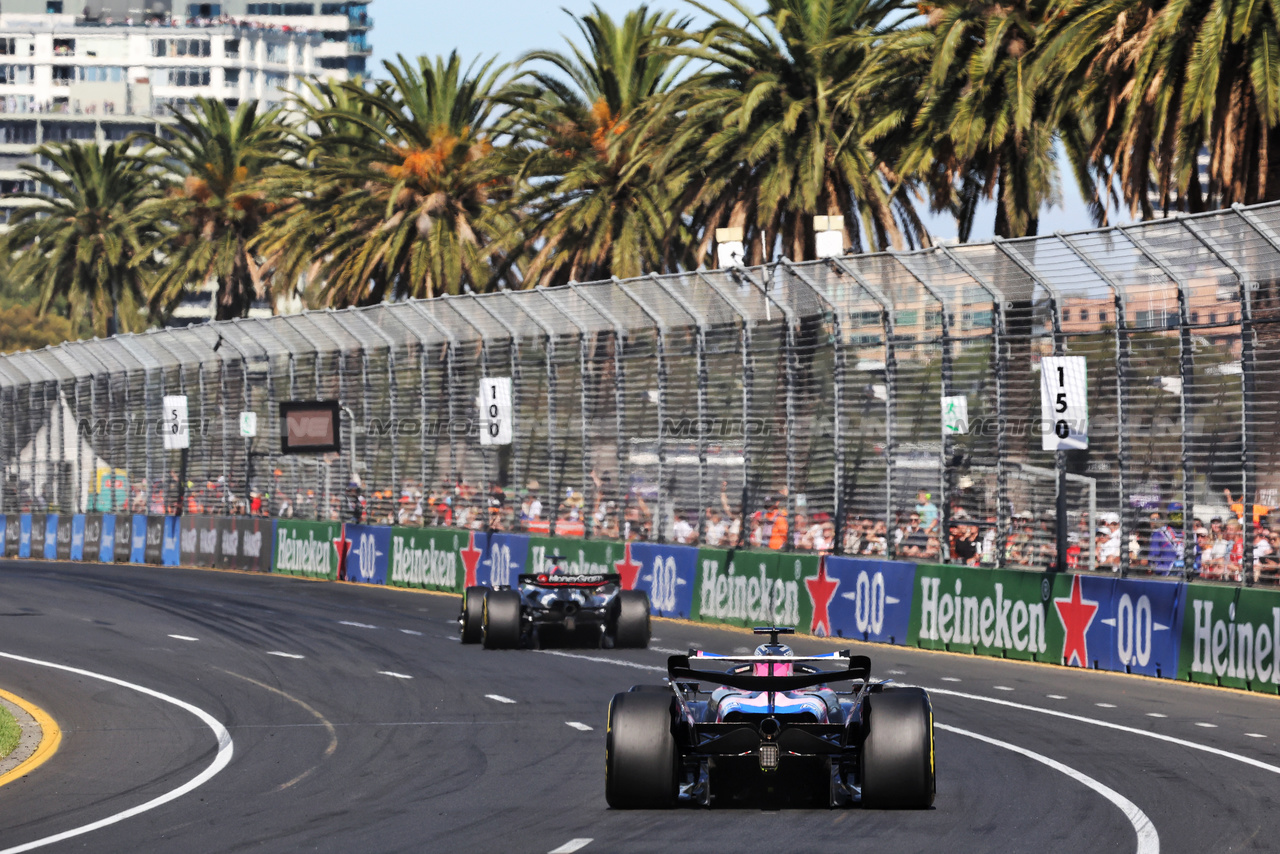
794	406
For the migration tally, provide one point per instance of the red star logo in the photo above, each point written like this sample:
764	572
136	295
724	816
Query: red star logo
471	559
628	569
1076	614
342	545
821	591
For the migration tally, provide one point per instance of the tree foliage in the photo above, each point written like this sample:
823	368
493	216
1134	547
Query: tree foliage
622	153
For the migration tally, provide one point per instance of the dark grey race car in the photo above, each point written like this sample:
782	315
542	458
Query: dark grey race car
552	605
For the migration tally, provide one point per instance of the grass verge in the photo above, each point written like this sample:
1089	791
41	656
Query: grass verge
10	732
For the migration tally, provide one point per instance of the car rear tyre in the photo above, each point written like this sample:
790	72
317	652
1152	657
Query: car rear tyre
640	752
631	626
897	757
500	622
469	622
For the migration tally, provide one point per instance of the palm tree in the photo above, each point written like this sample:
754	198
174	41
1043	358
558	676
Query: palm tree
1161	82
985	127
414	200
214	206
83	244
597	210
779	126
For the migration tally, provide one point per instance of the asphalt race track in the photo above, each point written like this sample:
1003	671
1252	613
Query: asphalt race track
360	724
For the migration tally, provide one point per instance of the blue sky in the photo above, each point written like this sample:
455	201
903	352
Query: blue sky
508	28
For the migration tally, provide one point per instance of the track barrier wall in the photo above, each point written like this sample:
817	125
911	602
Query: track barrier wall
1212	634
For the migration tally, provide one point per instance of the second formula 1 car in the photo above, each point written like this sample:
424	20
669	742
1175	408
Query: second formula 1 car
770	733
554	605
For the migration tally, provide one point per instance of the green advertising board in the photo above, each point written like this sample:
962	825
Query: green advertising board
585	557
754	588
1229	637
427	558
1004	613
306	548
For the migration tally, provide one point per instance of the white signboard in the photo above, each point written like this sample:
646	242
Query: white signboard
1064	403
495	411
176	437
955	415
248	424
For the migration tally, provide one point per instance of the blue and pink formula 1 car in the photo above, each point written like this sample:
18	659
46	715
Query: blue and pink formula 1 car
773	732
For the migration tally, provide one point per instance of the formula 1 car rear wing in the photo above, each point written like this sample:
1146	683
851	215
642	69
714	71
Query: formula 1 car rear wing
857	667
543	579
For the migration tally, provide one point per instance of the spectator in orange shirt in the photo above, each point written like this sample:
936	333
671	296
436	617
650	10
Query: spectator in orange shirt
777	518
1237	507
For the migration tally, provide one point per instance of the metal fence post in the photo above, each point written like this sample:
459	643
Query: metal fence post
891	392
1059	349
451	350
1001	370
588	514
948	368
619	389
1186	375
517	376
839	501
661	328
701	356
1123	354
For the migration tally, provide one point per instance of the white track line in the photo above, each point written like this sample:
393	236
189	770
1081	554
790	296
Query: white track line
601	658
580	727
183	638
1254	735
1002	687
1207	726
1156	715
498	698
286	654
571	846
1055	696
1148	838
220	760
393	674
356	625
1247	760
411	632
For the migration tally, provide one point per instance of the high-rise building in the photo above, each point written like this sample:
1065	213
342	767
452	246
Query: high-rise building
100	70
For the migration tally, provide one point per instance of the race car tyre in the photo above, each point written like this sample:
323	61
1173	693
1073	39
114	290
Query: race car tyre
897	767
500	623
640	753
469	623
631	626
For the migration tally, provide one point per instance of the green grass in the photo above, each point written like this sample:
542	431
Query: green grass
10	732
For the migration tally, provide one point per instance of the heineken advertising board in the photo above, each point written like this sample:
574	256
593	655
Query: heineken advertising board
582	557
307	549
1005	613
1229	637
756	588
431	558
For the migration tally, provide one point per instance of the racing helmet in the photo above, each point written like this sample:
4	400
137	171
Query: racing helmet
770	668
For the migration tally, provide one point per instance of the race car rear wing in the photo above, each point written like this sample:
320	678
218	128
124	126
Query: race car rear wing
857	667
544	579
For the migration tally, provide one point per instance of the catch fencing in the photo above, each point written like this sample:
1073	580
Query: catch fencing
792	406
